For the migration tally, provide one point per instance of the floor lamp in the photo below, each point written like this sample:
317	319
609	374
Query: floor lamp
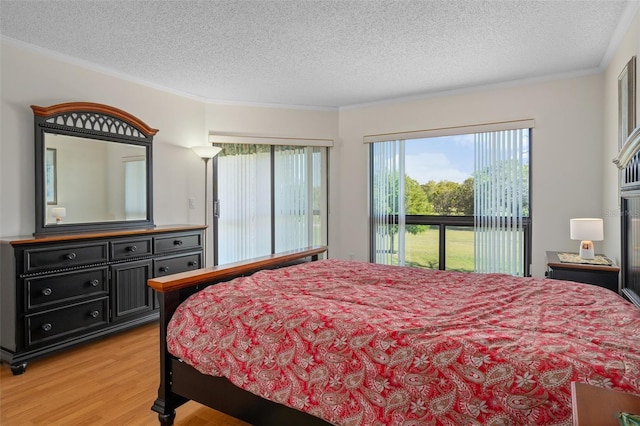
206	152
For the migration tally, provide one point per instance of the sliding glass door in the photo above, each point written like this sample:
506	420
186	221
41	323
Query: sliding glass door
269	198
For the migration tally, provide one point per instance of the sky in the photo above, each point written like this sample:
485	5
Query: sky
443	158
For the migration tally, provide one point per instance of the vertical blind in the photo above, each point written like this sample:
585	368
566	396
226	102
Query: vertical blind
501	184
297	178
386	199
501	191
245	202
271	199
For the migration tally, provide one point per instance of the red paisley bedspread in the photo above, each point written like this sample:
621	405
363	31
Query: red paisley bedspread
364	344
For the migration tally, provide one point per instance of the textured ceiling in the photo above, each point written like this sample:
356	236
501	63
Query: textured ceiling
323	53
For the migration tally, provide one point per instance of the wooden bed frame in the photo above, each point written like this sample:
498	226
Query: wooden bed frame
180	382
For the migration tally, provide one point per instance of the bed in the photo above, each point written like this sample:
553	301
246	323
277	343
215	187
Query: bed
291	339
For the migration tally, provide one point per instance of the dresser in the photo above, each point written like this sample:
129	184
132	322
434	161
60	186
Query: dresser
60	291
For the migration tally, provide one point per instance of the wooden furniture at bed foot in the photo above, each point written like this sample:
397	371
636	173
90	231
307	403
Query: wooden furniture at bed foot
180	382
63	290
596	406
601	275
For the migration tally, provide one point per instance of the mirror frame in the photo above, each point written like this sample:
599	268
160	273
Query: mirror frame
91	121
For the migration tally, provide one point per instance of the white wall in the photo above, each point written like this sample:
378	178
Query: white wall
29	78
572	146
566	152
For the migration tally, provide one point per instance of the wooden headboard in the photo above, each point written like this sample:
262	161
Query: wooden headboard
628	162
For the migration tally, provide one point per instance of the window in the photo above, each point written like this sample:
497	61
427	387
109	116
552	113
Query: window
269	198
135	200
452	201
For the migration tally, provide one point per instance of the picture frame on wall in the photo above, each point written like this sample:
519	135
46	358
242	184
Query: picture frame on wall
626	101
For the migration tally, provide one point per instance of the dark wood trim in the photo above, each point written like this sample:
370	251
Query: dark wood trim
90	122
94	107
630	283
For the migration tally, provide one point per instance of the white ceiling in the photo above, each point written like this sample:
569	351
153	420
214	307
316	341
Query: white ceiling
323	53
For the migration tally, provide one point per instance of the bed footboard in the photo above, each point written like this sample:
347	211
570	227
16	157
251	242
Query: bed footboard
174	389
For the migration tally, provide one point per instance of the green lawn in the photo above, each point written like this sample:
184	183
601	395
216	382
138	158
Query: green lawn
422	249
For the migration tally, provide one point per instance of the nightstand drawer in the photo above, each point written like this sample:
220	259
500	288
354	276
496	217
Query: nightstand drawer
41	259
51	289
65	322
602	279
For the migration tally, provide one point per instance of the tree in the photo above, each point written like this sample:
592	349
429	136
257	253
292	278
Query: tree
416	200
464	197
416	203
444	197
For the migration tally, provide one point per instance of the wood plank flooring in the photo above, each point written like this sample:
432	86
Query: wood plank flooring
112	381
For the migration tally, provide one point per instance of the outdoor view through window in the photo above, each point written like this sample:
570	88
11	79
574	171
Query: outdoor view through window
430	218
440	171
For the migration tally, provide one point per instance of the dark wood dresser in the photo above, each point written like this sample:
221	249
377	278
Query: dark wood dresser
59	291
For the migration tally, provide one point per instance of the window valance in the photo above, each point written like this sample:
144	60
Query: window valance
221	138
451	131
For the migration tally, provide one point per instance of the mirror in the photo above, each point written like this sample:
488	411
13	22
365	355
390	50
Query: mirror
93	169
93	181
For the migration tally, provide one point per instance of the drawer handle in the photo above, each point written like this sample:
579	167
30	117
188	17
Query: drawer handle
192	263
132	248
47	291
47	326
94	283
94	314
177	242
164	269
71	256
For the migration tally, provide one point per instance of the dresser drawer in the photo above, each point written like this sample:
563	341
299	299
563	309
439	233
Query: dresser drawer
56	288
65	322
123	249
41	259
177	242
174	264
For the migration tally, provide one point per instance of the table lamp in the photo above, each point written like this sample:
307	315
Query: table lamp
59	213
586	230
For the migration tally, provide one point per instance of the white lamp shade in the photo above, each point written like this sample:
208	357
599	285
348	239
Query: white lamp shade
590	229
59	212
206	151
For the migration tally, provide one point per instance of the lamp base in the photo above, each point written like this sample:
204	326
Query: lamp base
586	250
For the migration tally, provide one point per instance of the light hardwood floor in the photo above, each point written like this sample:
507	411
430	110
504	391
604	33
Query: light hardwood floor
112	381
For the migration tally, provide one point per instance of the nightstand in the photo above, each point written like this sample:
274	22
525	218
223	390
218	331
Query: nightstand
595	406
601	275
